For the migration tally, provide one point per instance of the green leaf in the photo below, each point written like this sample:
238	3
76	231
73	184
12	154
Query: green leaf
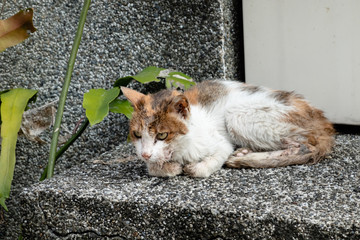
122	106
2	92
96	102
173	79
178	80
124	81
149	74
13	104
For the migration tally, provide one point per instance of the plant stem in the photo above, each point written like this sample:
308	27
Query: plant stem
60	110
68	143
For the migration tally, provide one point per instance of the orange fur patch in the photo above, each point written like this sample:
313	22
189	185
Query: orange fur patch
156	114
318	130
192	95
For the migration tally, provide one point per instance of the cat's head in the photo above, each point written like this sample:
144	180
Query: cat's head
157	123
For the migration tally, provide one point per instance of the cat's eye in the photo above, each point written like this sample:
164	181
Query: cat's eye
162	136
137	134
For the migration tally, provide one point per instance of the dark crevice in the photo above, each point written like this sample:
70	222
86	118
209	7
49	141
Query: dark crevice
347	129
239	39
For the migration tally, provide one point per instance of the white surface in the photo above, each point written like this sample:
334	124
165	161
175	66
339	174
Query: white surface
310	46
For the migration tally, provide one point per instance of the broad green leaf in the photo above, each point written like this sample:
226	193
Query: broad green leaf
96	102
178	80
2	92
122	106
16	29
13	104
123	81
173	79
149	74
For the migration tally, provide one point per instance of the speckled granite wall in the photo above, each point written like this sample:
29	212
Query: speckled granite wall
120	38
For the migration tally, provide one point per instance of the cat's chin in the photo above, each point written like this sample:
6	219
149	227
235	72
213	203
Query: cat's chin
159	161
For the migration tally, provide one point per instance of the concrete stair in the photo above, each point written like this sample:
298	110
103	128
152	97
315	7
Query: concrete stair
116	199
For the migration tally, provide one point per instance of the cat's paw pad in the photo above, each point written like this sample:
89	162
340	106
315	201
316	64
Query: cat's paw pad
241	152
196	170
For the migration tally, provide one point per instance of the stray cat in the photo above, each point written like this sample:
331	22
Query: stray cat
197	131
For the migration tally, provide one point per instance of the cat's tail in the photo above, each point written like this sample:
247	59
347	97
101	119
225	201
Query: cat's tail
245	158
320	143
312	141
297	153
318	130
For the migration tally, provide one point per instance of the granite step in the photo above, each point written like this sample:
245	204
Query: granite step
114	198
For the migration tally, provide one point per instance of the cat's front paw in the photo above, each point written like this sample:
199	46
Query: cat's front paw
197	170
167	169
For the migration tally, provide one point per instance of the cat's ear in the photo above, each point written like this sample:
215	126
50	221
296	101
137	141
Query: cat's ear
180	105
133	96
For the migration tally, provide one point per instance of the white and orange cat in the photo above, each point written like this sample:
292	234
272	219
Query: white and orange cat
196	132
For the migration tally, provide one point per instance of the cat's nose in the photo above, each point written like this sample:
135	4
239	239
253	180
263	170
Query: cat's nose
146	156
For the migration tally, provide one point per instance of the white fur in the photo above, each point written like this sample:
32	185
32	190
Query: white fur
257	118
239	118
158	150
206	146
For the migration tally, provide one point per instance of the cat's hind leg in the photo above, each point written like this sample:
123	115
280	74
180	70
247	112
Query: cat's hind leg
295	154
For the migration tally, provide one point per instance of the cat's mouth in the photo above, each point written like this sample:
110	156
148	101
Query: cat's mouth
160	160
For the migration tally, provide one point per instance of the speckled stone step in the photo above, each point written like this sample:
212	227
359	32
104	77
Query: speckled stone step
118	200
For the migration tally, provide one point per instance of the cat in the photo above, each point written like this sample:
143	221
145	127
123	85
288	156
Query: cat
197	131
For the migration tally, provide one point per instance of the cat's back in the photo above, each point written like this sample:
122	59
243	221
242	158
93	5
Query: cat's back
205	93
211	93
214	92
